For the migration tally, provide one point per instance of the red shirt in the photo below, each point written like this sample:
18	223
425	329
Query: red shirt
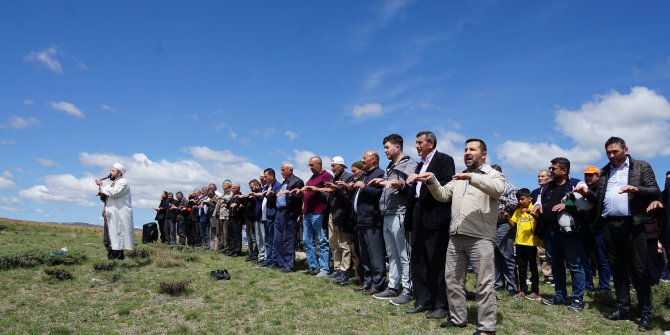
315	202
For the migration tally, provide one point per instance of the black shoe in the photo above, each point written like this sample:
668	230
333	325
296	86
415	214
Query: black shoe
452	324
437	313
227	253
616	316
347	281
646	323
470	295
315	272
311	272
362	288
285	270
418	309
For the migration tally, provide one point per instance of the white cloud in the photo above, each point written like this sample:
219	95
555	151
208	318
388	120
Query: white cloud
47	58
205	153
17	122
109	108
45	162
642	118
291	135
63	189
67	107
452	144
6	180
367	110
28	102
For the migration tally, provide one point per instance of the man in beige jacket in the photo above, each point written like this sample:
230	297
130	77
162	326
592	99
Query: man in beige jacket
474	194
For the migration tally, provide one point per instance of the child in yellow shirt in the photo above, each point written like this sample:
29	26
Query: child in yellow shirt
526	244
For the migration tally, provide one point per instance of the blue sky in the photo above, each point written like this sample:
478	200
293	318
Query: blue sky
186	93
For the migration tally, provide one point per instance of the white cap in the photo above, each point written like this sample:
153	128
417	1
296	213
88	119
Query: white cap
338	160
119	167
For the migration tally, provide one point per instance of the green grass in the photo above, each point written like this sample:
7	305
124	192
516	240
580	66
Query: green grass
125	297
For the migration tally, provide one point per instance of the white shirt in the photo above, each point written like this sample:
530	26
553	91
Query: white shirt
424	167
616	204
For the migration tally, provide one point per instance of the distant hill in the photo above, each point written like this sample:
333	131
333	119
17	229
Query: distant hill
78	224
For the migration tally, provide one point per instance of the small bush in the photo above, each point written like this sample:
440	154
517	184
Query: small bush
105	266
114	277
31	258
70	258
139	253
192	258
61	331
174	288
60	274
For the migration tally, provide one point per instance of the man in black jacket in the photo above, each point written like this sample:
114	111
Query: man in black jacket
289	208
369	225
625	189
429	219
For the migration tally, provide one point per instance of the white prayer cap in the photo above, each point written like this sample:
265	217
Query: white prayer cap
119	167
338	160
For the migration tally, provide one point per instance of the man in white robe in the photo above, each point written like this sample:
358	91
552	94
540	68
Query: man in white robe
118	212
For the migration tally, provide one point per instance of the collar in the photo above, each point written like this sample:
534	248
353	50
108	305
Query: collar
429	157
625	164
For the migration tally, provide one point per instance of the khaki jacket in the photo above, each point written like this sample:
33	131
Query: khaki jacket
474	202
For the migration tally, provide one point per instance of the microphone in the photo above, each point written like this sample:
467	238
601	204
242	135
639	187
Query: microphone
108	176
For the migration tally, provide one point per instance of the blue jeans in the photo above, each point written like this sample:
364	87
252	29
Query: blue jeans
563	248
594	242
270	256
312	230
204	230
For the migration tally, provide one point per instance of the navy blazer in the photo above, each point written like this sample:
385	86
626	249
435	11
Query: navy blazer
293	201
430	214
368	213
271	206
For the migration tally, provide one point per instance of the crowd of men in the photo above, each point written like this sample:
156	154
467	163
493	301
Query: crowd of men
412	231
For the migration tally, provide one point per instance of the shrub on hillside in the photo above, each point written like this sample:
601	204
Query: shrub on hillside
31	258
60	274
174	288
105	266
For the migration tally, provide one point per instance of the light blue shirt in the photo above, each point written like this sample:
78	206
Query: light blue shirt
617	204
281	200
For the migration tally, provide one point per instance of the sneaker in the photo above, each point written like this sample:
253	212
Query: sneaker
402	299
553	301
387	294
519	295
335	274
533	297
321	274
576	306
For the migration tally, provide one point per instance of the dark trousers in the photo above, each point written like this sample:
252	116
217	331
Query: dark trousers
193	232
284	239
626	246
427	265
161	229
181	231
171	231
371	242
234	235
504	258
251	238
525	255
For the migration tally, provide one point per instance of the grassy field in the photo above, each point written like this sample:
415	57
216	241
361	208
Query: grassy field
124	297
